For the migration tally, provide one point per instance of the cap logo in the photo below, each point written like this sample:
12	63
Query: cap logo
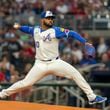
48	13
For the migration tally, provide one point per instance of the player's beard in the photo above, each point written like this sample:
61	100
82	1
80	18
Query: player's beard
49	25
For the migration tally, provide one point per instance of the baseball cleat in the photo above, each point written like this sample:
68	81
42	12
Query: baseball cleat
98	99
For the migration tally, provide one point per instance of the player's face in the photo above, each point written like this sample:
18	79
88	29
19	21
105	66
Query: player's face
48	22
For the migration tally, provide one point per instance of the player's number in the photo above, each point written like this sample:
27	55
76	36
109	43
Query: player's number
37	44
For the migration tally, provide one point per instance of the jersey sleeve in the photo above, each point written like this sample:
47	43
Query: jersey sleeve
77	36
61	33
27	29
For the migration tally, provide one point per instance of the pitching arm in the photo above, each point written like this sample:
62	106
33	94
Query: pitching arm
25	29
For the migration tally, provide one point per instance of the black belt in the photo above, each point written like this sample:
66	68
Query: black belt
50	59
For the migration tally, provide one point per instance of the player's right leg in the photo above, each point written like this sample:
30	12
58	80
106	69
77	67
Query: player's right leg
35	74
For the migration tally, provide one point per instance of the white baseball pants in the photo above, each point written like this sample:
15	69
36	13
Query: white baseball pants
55	67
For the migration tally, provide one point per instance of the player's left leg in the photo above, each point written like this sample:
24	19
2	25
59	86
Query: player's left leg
64	69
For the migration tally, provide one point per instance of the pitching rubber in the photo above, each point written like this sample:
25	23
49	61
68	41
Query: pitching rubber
16	105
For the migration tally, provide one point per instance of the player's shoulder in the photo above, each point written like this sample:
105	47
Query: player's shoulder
59	29
36	28
59	32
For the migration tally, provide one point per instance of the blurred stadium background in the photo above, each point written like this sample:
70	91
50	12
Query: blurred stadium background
91	18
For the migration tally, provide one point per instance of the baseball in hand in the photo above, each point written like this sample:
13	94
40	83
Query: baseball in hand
16	26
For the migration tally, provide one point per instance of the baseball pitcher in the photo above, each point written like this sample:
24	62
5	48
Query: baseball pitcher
47	60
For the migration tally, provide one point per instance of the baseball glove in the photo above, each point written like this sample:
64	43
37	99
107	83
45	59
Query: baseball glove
89	50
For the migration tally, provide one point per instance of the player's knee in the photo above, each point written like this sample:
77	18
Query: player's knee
69	77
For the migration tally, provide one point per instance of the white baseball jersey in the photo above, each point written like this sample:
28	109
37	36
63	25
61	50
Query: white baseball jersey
46	42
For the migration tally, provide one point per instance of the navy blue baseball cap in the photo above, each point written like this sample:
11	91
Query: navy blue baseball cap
46	14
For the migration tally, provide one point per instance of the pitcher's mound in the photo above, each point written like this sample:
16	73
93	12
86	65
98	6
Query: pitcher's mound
15	105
